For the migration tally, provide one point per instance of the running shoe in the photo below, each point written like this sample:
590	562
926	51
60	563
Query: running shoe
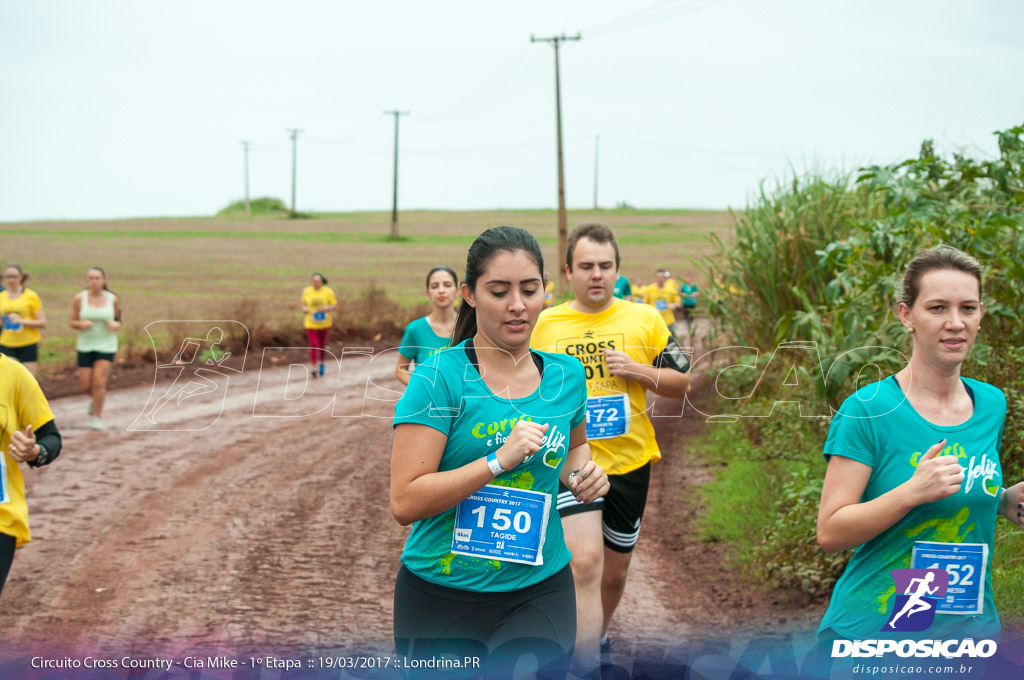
314	373
96	424
321	370
606	645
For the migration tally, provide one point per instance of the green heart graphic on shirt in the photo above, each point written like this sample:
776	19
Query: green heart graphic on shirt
551	458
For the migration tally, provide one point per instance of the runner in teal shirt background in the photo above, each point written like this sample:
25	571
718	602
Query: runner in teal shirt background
622	288
420	342
429	334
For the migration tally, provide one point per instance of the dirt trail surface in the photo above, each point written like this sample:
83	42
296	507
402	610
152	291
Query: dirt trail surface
255	517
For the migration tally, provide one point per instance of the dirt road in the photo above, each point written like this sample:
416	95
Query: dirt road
255	517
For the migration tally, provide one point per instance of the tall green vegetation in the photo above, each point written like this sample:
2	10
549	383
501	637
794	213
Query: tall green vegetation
821	260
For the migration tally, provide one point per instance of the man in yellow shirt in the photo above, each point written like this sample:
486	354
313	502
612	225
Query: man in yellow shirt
626	349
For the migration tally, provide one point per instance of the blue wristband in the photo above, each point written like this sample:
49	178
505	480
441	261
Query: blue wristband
494	464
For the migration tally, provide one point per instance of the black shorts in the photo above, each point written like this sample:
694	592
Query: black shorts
433	621
7	543
23	354
623	507
87	359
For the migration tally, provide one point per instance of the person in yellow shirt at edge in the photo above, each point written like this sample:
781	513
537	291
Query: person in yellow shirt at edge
28	435
318	302
626	349
664	296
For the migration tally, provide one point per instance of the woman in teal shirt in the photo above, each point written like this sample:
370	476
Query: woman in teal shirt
431	333
483	434
914	480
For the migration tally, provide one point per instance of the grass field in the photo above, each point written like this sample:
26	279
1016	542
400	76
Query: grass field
253	269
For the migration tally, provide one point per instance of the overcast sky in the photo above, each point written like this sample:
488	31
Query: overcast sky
123	109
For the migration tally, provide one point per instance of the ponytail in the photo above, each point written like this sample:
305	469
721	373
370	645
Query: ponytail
484	248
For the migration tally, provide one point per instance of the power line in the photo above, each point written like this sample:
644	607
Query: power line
653	18
491	82
632	15
522	77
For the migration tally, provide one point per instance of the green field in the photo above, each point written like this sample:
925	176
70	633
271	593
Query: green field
253	269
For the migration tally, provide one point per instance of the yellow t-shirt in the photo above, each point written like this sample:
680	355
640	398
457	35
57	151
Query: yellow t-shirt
311	297
637	330
549	294
661	298
21	403
26	305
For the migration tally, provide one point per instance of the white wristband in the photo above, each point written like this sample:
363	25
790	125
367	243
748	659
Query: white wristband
494	464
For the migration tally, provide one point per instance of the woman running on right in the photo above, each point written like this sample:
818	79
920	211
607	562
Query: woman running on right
96	314
433	332
23	317
896	489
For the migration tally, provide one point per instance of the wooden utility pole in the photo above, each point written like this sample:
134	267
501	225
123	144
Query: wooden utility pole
295	145
245	147
562	230
394	200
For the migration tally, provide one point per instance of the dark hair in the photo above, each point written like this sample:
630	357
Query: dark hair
939	257
322	277
442	268
15	265
595	231
484	248
100	270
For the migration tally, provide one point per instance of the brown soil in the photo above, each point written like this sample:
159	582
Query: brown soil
256	533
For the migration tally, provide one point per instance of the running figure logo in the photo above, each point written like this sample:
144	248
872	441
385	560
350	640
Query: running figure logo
199	376
922	589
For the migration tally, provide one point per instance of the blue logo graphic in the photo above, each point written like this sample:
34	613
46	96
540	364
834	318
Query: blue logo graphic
922	590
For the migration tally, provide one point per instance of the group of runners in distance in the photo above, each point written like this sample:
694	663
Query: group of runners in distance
486	448
523	450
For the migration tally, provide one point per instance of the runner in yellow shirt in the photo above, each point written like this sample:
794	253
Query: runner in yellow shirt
318	302
626	349
549	290
27	435
22	314
663	296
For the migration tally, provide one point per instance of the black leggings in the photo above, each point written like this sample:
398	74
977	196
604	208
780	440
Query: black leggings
6	556
434	622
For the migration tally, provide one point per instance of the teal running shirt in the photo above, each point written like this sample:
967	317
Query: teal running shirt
877	426
448	394
622	288
420	342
